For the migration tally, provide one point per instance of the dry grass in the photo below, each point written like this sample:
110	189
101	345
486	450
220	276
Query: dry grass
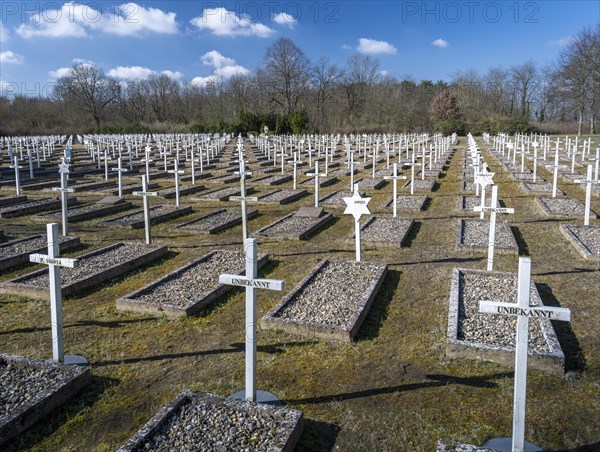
393	389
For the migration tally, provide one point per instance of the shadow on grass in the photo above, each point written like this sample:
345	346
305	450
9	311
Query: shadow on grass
427	203
434	381
444	260
521	243
436	186
379	309
574	358
236	347
54	420
577	270
587	448
111	324
318	436
412	234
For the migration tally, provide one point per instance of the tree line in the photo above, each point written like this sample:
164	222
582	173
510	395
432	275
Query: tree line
289	93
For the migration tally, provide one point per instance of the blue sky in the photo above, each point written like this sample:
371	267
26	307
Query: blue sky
197	41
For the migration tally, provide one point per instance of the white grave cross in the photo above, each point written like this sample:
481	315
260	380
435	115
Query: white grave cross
357	207
63	169
395	178
523	311
251	283
145	194
588	181
317	175
17	168
483	179
120	170
54	262
242	197
176	171
494	209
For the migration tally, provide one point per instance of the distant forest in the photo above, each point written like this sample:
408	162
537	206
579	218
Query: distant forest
289	93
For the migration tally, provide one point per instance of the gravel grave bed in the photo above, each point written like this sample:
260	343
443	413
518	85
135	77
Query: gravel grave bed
468	187
384	231
136	217
370	183
292	226
563	206
28	245
331	302
171	192
496	330
271	180
428	173
420	185
526	176
475	233
48	204
586	239
86	211
467	203
221	193
208	422
8	200
123	252
407	202
30	389
323	181
227	179
190	288
336	198
217	221
541	188
282	196
454	446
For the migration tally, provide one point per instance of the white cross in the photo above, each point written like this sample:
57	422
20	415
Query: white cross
483	179
523	311
395	178
145	194
147	160
243	198
17	168
295	162
588	181
176	172
492	235
54	262
63	169
251	283
412	165
120	170
357	207
317	175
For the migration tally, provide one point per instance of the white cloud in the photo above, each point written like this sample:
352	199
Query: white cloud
439	42
383	73
561	42
129	72
76	21
175	75
224	68
222	22
60	72
82	61
373	47
10	57
285	19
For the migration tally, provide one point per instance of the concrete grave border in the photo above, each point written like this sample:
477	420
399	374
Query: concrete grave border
514	248
176	212
22	258
576	241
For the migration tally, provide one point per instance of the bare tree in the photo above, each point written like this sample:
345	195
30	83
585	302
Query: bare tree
133	101
287	73
163	96
524	79
325	76
88	87
362	72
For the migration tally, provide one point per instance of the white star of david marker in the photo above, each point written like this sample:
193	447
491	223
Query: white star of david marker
484	178
356	205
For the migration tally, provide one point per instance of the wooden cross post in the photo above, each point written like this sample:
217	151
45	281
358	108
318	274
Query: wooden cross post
357	206
120	170
395	178
176	172
493	209
588	181
483	179
17	168
523	311
63	169
54	262
145	194
316	174
243	198
251	283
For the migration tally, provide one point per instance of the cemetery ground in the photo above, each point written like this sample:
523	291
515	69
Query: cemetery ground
391	389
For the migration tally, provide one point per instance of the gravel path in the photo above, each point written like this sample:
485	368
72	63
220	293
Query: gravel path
21	385
334	294
92	265
193	283
222	425
498	330
476	233
564	206
27	246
